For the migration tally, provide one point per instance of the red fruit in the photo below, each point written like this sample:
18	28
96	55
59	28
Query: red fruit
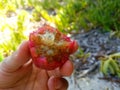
50	48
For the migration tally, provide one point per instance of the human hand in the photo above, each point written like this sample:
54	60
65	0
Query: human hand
17	72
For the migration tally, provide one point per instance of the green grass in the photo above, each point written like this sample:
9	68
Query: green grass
1	57
82	14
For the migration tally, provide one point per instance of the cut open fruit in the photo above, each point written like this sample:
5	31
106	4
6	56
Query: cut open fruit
50	48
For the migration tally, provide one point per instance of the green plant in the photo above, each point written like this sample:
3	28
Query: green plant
115	34
110	65
65	15
1	56
7	7
85	14
16	34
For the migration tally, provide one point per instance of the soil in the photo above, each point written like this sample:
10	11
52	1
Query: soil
87	75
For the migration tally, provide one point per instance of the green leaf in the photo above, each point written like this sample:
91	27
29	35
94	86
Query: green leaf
1	57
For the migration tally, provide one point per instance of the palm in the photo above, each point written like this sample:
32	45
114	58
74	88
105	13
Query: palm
26	78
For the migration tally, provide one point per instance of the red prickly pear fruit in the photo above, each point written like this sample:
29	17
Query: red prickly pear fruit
50	48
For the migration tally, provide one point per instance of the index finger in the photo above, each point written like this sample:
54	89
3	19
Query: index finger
67	68
17	59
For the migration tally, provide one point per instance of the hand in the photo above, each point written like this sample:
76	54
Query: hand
17	72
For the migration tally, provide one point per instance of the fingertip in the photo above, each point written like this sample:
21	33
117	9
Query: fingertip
51	85
23	53
24	47
56	83
67	68
61	84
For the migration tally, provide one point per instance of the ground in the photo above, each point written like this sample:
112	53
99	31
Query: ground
87	75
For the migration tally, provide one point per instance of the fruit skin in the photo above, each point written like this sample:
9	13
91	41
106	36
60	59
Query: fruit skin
50	48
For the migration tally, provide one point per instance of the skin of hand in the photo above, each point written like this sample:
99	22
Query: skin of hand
17	72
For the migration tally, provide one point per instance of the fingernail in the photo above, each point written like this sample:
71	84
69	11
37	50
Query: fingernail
20	45
58	83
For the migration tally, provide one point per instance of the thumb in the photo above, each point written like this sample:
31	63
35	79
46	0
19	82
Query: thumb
17	59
